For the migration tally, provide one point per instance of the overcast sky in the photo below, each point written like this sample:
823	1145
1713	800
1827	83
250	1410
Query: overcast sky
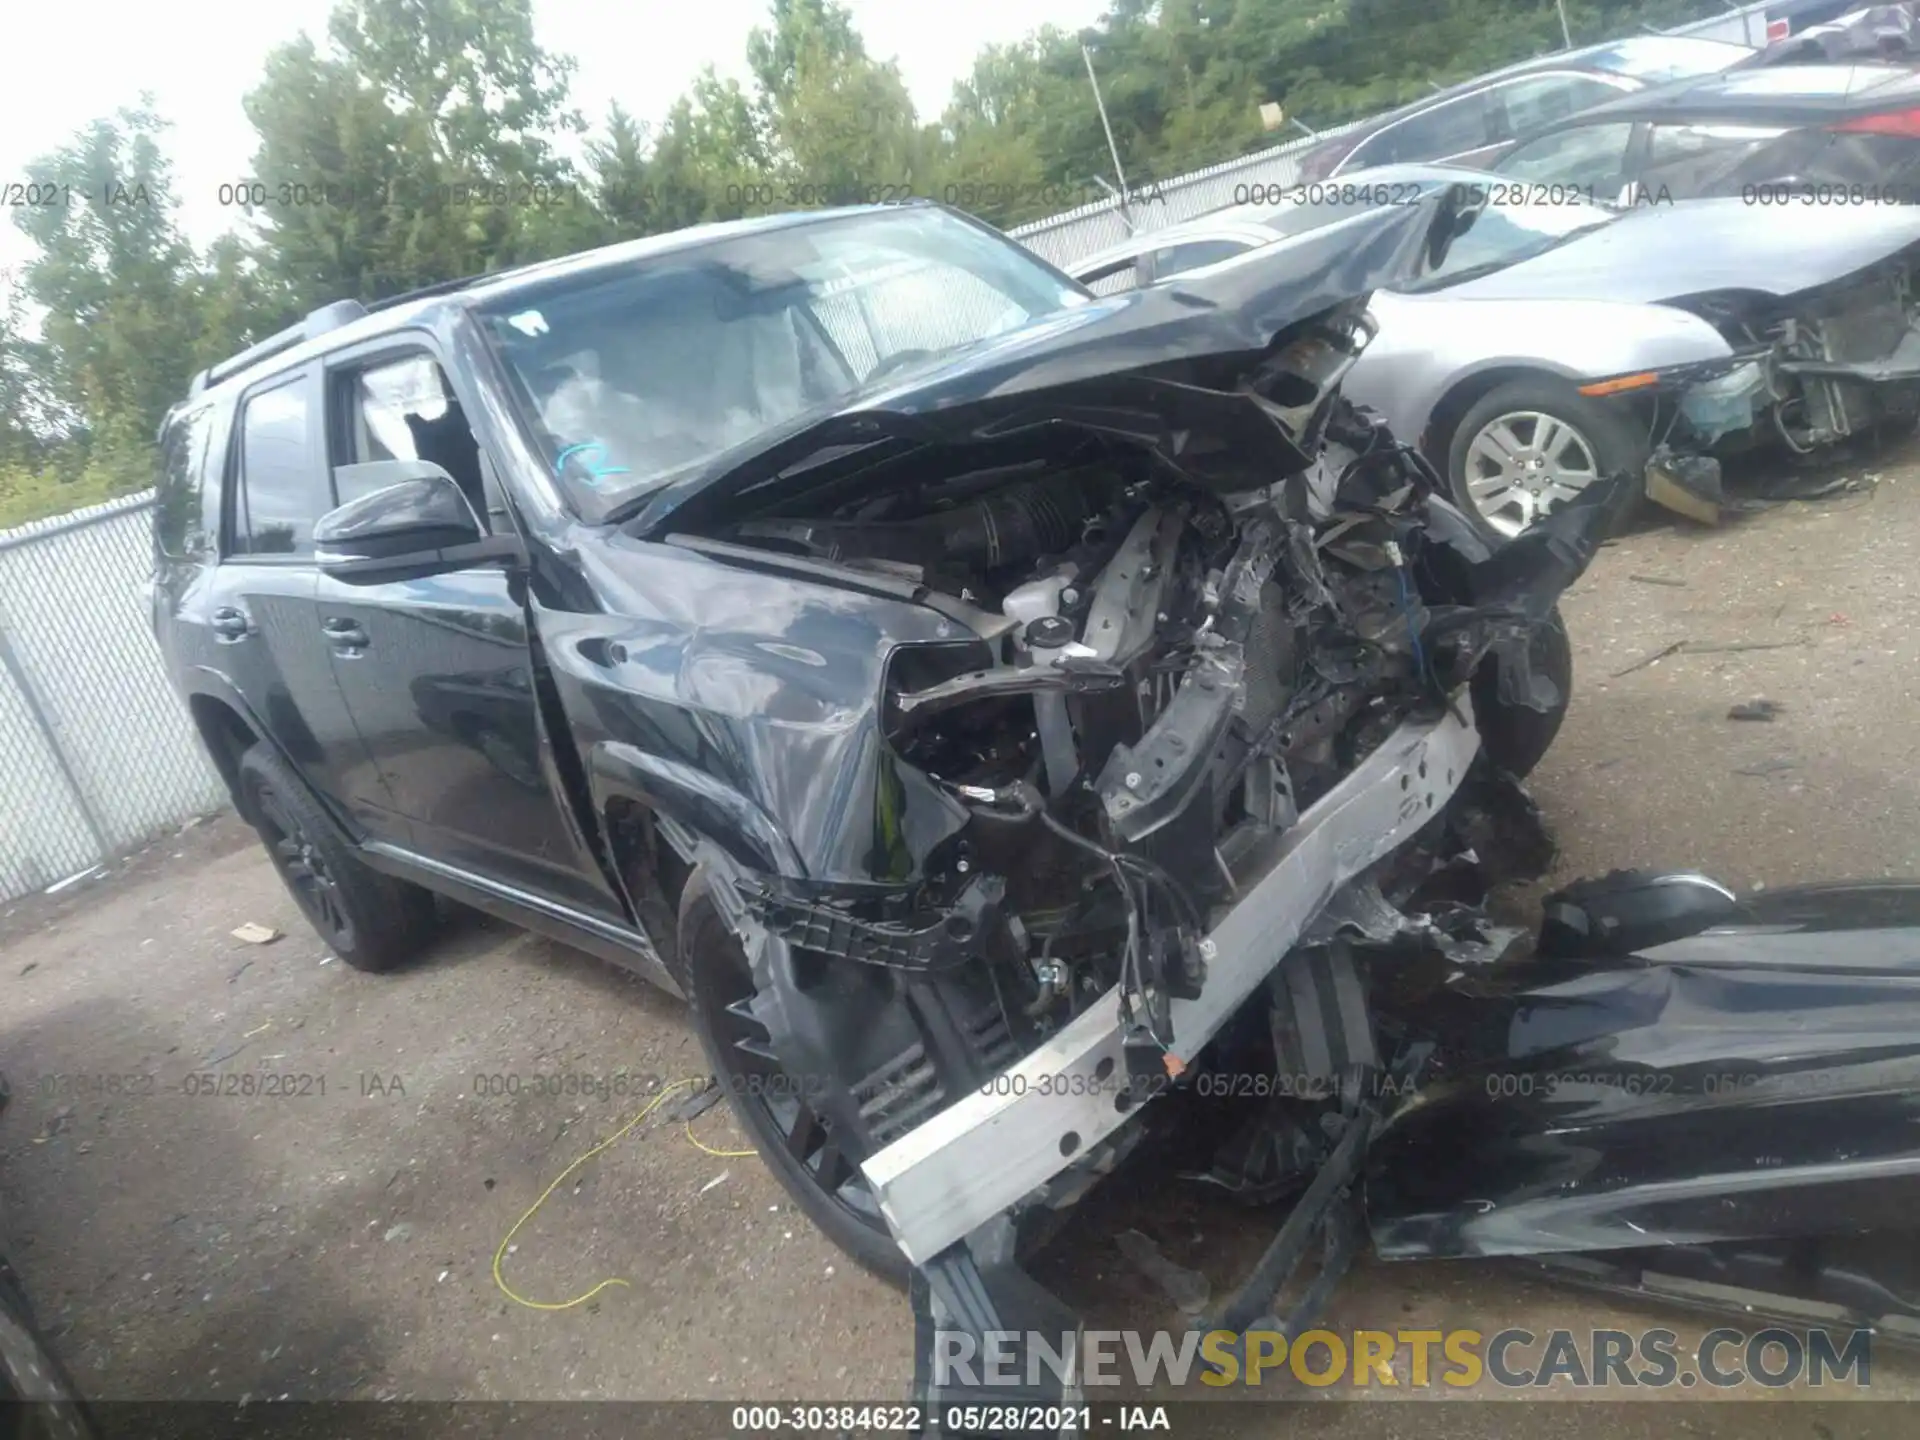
78	59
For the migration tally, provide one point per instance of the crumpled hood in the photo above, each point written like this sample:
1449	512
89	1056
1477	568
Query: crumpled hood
1664	252
1152	365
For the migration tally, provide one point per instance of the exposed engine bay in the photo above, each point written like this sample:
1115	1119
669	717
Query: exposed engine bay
1157	679
1167	721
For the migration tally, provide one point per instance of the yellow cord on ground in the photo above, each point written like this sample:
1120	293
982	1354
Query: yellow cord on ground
698	1144
499	1255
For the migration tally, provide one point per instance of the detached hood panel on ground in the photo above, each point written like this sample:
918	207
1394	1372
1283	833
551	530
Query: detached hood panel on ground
1758	1079
1663	252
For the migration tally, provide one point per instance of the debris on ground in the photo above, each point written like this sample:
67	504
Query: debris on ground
1659	580
1736	647
1188	1289
72	880
695	1105
1758	708
1709	647
1688	485
1647	660
1765	767
255	934
716	1180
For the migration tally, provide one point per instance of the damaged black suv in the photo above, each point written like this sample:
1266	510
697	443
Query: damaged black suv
963	690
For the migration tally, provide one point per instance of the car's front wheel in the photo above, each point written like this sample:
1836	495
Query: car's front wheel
1516	736
793	1139
1533	444
371	921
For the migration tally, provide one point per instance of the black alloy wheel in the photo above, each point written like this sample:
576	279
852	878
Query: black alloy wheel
775	1107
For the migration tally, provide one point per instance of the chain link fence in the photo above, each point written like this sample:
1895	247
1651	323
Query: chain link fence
96	751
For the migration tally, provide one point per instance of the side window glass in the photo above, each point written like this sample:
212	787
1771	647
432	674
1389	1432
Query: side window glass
1449	129
403	409
1689	159
1523	106
1113	279
214	470
176	524
1587	155
281	491
1177	259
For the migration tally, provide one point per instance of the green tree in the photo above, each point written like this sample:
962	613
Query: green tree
841	123
420	144
712	155
115	281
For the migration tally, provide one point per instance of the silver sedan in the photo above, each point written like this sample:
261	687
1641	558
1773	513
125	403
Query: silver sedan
1564	339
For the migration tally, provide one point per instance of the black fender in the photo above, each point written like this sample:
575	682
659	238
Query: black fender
203	680
695	800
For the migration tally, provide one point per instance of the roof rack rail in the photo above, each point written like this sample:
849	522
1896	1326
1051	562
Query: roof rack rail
318	322
332	317
427	292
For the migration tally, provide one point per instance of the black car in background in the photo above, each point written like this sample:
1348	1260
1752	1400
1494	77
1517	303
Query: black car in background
1804	134
1473	122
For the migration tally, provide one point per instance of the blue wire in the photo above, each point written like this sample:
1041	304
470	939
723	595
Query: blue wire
1413	635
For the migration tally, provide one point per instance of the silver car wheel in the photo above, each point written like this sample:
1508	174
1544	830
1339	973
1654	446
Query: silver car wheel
1521	465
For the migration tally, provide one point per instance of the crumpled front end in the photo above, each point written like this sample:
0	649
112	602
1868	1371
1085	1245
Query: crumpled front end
1166	729
1041	730
1809	372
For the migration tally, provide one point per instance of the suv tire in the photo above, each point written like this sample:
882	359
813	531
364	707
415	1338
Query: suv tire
371	921
714	971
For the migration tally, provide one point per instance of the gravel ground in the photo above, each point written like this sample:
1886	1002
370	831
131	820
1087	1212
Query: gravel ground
339	1240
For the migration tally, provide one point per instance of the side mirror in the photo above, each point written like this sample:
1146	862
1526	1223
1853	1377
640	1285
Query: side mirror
415	516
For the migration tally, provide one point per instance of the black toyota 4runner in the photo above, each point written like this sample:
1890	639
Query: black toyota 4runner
850	623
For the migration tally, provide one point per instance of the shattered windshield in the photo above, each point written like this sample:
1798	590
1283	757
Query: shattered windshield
634	376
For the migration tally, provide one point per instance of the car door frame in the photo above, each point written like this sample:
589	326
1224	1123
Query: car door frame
609	903
304	716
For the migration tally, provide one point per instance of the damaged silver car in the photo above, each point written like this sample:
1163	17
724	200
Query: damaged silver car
1567	338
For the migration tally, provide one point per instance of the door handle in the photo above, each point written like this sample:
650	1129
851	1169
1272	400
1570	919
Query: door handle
345	634
231	623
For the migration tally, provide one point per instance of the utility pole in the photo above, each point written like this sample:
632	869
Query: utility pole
1105	124
1566	35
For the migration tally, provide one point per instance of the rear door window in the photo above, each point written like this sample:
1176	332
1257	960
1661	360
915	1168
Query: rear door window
1521	107
176	523
282	487
1451	128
